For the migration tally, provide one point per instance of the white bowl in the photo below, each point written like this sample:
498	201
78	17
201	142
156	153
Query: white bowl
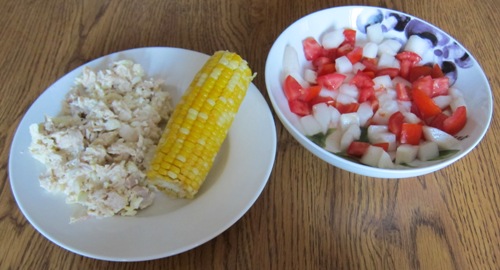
468	77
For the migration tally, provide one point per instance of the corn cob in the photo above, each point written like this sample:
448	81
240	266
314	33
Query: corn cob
199	125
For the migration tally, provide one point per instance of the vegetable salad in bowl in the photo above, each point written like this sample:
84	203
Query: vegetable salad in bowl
378	92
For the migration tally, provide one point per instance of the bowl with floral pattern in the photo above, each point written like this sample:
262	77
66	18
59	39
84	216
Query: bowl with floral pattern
378	92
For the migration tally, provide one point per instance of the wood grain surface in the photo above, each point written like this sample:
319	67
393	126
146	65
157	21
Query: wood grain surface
310	215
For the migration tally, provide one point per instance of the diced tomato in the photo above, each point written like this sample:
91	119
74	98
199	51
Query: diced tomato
310	92
395	122
437	72
411	133
357	148
403	92
438	120
322	60
425	104
331	81
350	36
371	64
292	88
321	99
383	145
424	84
440	86
366	94
312	48
326	69
299	107
374	103
406	61
347	108
392	72
410	56
362	80
344	49
456	122
419	71
355	55
330	53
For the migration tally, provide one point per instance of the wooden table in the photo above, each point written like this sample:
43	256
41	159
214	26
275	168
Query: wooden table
310	215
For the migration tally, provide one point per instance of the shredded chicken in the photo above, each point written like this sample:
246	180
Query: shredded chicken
97	149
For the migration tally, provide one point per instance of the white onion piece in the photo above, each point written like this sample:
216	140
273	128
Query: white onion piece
385	161
349	89
387	61
444	140
310	125
442	101
334	116
406	153
322	114
372	156
352	133
332	141
389	46
333	39
348	119
310	75
370	50
417	45
357	67
365	112
428	150
343	65
375	33
382	82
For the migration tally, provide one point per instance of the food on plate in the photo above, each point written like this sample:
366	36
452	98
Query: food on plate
96	150
199	125
373	98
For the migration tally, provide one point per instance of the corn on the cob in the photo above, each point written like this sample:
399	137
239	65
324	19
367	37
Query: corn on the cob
199	125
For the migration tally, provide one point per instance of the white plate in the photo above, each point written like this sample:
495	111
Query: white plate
169	226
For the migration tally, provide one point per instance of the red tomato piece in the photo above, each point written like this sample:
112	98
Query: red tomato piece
347	108
406	61
344	49
424	84
292	88
310	92
456	122
321	99
426	106
355	55
326	69
371	64
395	122
419	71
330	53
357	148
331	81
362	80
374	103
411	133
440	86
438	120
437	72
403	92
366	94
322	60
411	56
299	107
392	72
312	48
350	36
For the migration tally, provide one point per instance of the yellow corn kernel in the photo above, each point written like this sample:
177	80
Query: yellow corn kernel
199	125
